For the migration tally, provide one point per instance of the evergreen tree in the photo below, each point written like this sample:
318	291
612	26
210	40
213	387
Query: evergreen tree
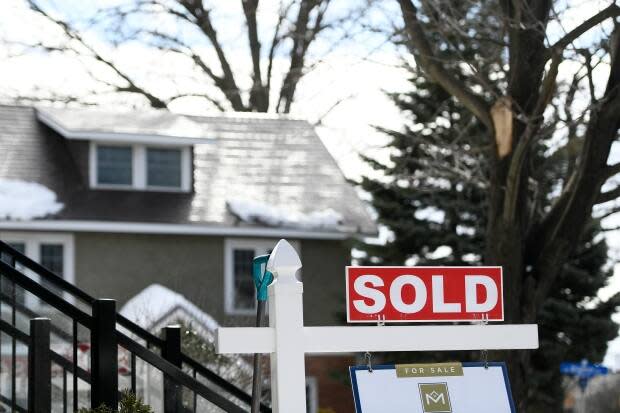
432	198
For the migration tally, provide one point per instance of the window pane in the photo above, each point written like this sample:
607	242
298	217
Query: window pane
244	295
163	167
52	258
18	246
7	286
114	165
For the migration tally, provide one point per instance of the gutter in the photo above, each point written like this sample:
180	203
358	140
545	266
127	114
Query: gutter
121	227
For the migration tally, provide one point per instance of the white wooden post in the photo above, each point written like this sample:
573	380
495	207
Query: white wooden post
287	340
288	386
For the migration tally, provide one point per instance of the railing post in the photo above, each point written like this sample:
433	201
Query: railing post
172	353
104	355
39	367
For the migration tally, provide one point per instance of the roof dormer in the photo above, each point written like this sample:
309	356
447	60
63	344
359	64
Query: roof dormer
147	151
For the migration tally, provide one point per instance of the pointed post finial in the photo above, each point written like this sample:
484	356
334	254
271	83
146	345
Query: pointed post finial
284	262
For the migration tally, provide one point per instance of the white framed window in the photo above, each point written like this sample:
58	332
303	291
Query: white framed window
114	165
56	252
239	290
141	167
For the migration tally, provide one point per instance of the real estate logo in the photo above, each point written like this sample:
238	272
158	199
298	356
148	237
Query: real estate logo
435	398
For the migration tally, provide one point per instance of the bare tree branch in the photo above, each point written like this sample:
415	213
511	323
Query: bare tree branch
612	11
303	35
131	86
276	40
612	170
607	213
138	21
230	89
421	48
259	95
218	105
574	207
608	196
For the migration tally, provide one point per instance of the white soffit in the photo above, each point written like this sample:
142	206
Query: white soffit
172	229
149	126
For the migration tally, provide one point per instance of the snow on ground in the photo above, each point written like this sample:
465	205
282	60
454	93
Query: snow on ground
155	302
22	201
255	211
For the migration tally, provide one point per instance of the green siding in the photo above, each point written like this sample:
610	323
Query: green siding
323	276
119	266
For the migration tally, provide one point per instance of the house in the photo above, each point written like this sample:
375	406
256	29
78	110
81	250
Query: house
117	201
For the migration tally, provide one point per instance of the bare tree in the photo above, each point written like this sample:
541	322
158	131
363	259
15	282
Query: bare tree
530	106
188	27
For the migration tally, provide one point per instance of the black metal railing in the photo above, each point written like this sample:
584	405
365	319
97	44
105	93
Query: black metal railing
88	336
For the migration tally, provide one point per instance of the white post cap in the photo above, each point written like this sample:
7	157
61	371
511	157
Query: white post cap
284	262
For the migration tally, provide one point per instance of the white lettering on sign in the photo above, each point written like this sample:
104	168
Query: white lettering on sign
371	293
396	294
439	302
471	294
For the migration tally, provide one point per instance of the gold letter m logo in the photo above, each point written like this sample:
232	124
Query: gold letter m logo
435	398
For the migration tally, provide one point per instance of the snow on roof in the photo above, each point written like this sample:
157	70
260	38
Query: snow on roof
155	302
23	201
157	306
260	212
80	123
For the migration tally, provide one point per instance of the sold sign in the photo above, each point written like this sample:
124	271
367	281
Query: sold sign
424	294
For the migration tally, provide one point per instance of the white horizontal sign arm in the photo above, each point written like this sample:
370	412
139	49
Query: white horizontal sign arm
401	338
420	338
242	340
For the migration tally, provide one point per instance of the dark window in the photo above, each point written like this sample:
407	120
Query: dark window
244	294
163	167
52	258
7	287
114	165
18	246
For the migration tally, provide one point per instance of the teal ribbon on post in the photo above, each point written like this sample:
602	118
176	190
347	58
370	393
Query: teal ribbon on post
262	277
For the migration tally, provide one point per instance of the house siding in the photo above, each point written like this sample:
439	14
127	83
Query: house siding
324	284
119	266
79	152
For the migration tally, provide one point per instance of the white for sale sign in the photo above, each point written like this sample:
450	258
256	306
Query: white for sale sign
432	388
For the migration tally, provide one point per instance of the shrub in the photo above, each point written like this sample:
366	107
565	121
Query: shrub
129	403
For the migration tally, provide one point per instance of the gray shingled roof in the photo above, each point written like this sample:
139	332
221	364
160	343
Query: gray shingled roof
279	161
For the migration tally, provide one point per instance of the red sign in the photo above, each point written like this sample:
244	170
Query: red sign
424	294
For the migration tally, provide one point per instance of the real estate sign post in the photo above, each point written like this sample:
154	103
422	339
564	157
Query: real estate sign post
287	340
